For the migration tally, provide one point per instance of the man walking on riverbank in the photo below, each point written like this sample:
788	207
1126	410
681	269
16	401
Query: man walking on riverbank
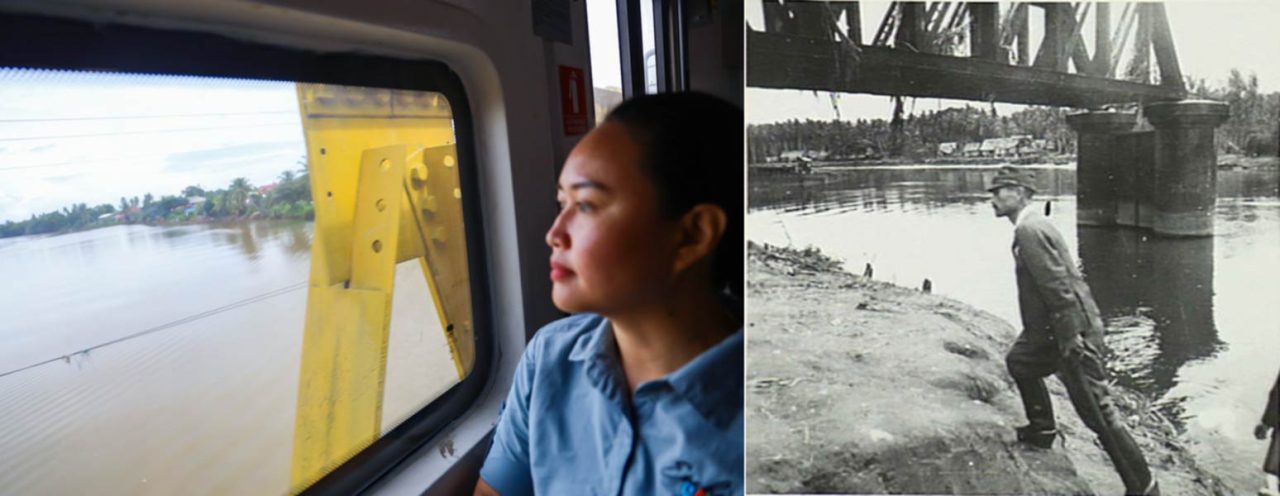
1062	334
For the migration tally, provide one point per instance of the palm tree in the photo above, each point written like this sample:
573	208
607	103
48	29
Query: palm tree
219	202
301	173
238	193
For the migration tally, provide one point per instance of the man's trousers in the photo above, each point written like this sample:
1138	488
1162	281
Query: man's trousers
1035	357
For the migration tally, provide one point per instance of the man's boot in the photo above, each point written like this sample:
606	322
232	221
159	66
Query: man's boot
1037	436
1041	431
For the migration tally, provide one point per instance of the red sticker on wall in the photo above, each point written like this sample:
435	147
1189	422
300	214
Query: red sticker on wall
573	100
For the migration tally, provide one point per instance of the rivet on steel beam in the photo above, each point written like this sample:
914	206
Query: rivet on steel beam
419	175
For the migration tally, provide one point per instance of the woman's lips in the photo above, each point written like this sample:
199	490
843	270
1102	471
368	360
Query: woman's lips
560	272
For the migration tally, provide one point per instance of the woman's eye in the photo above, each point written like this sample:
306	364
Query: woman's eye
583	207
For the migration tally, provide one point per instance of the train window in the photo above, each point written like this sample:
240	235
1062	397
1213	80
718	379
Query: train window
172	238
606	68
230	280
647	36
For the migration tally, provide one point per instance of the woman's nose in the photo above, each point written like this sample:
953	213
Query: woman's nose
556	235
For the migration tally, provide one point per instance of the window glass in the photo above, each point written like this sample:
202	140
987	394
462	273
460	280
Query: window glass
191	285
606	68
650	47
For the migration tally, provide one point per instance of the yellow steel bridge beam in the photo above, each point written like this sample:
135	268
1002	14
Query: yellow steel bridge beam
383	172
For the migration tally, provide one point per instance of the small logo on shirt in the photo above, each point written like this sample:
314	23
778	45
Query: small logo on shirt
681	476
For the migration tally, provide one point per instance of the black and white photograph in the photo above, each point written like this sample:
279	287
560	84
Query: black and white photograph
1012	248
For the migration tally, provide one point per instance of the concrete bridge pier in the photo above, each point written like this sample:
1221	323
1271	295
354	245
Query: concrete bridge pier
1184	186
1103	183
1134	161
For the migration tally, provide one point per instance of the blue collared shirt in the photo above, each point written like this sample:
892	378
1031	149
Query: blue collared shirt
570	426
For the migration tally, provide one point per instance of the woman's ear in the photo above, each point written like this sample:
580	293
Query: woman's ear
700	231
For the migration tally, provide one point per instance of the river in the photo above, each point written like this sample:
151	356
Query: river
164	359
1193	323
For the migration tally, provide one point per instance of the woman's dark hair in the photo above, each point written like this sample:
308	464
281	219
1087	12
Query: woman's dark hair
692	148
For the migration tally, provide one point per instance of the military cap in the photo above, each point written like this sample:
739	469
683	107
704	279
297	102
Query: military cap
1013	176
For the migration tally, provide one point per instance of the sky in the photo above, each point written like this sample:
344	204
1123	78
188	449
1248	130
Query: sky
92	138
602	31
1211	38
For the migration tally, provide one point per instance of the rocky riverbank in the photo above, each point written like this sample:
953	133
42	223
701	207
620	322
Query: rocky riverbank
860	386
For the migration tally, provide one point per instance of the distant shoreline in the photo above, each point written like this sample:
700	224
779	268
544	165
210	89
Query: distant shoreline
192	222
1226	161
929	161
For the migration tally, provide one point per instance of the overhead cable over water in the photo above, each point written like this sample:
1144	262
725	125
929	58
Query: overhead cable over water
169	325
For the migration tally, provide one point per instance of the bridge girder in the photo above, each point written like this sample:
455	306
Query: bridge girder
789	62
914	52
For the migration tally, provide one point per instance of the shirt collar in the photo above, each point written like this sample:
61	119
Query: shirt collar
1026	212
599	351
595	344
711	382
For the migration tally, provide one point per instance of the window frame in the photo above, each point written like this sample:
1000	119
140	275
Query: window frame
56	43
671	32
671	46
631	46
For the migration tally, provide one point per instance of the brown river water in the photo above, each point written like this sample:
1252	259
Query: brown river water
164	360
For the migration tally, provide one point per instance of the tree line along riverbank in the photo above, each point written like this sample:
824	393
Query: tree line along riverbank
287	198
